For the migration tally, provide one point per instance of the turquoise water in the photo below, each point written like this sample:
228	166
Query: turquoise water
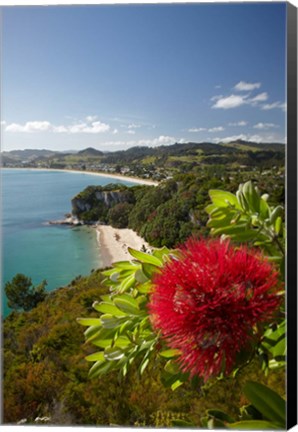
29	245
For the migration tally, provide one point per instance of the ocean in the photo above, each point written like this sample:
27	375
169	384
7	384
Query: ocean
31	198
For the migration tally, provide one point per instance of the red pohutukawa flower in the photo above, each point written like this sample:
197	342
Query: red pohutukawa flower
207	303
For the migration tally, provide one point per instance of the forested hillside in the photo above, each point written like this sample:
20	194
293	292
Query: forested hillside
46	375
169	213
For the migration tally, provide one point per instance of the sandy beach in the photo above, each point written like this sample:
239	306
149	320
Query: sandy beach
114	243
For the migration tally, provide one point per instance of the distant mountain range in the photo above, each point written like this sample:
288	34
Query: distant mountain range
154	162
29	155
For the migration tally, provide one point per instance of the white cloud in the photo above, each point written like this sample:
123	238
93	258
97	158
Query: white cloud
93	127
234	101
262	97
239	123
243	137
60	129
161	140
230	138
131	132
265	126
273	105
154	142
253	138
231	101
216	129
200	129
3	123
97	127
29	127
245	86
115	131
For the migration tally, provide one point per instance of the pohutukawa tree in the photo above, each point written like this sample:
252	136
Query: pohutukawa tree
203	310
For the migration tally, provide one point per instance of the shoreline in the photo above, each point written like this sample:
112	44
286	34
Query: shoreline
98	173
114	242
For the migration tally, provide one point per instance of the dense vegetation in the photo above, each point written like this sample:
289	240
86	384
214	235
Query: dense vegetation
21	294
169	213
45	373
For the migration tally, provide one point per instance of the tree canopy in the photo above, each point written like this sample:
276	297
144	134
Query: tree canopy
21	294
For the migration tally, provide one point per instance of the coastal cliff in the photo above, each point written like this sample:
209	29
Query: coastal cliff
94	203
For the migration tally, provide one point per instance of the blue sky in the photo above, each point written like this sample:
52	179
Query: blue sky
113	77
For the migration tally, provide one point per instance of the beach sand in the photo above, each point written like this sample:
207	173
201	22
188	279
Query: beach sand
114	243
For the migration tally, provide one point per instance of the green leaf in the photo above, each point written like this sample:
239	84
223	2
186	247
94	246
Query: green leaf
100	368
274	340
143	365
277	225
252	196
264	209
115	276
242	200
113	353
127	283
98	356
277	211
169	380
210	208
92	332
176	384
102	343
182	423
108	272
268	402
140	276
103	333
253	425
89	321
218	223
170	353
149	270
279	350
125	265
162	253
127	304
274	364
109	321
172	367
144	257
107	308
223	198
145	288
231	229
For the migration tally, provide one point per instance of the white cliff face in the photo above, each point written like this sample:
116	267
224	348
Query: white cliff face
110	198
95	198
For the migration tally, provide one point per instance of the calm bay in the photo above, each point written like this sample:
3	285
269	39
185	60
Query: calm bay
30	199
